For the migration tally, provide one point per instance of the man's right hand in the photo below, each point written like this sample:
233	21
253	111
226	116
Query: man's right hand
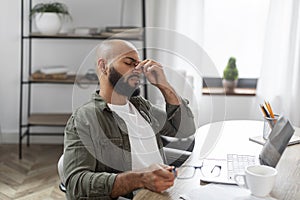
158	177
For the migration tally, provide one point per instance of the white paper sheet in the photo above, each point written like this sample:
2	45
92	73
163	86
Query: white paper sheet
217	192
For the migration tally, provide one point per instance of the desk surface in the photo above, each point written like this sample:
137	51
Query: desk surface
219	138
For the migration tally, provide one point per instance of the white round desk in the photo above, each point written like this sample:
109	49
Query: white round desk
216	140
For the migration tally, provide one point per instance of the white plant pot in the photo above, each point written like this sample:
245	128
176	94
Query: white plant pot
48	23
229	86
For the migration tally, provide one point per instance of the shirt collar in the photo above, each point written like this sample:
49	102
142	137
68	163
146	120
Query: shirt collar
102	103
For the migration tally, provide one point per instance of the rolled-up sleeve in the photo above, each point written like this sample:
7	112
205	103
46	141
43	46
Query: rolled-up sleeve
82	182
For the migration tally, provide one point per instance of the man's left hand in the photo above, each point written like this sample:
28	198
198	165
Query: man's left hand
154	72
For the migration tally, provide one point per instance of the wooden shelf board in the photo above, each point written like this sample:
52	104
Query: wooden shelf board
69	80
221	91
88	37
56	119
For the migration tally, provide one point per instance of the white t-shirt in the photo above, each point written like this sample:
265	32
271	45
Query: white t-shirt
144	148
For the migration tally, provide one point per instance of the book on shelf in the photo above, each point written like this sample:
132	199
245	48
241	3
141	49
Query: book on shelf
121	35
38	75
126	32
54	70
118	29
86	31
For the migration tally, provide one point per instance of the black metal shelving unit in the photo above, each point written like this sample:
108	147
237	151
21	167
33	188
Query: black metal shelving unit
46	119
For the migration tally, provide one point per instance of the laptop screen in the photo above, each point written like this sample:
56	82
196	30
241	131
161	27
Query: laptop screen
277	142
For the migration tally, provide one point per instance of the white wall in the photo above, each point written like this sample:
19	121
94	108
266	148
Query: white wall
9	65
71	53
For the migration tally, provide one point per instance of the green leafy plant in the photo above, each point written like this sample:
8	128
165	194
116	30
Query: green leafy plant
54	7
231	72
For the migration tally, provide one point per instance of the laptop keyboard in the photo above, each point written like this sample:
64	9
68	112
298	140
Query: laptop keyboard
236	164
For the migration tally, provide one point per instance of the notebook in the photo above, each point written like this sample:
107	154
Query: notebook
260	140
270	154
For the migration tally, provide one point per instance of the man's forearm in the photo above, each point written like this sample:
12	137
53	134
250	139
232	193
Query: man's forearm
169	94
125	183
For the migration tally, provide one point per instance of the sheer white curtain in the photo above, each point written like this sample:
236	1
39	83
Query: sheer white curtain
184	17
279	82
178	29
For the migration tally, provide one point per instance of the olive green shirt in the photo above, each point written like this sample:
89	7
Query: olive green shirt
97	147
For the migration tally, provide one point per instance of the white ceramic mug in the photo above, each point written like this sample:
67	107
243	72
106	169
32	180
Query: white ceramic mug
259	179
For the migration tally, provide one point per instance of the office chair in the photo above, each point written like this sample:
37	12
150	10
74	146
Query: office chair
61	174
177	150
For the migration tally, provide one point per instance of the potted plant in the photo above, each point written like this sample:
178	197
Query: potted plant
48	16
230	75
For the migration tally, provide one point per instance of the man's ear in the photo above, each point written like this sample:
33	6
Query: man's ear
102	66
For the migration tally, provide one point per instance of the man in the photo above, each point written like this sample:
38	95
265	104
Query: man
112	143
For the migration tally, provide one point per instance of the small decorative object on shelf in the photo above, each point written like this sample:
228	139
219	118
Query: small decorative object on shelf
91	75
48	16
125	32
86	31
230	76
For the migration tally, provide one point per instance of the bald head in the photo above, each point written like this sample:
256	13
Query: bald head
116	63
110	50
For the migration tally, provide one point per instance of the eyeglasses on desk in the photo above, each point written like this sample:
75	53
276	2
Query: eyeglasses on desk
188	171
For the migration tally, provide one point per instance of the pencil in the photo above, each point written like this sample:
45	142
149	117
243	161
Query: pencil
271	111
265	112
267	106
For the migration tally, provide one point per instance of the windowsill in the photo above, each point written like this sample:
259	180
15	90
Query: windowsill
214	86
221	91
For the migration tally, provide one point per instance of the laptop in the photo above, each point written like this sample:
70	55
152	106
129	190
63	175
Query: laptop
270	154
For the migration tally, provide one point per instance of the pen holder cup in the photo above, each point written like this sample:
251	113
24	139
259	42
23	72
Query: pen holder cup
269	123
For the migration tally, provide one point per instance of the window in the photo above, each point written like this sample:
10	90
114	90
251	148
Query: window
224	29
235	28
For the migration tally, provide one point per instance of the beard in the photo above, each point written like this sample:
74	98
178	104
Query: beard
121	85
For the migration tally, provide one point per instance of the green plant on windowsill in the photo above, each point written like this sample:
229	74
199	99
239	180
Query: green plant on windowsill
231	72
230	75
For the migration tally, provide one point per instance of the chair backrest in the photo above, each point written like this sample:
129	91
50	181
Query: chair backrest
177	150
61	173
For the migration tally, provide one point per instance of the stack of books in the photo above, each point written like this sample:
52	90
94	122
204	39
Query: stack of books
86	31
123	32
51	72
